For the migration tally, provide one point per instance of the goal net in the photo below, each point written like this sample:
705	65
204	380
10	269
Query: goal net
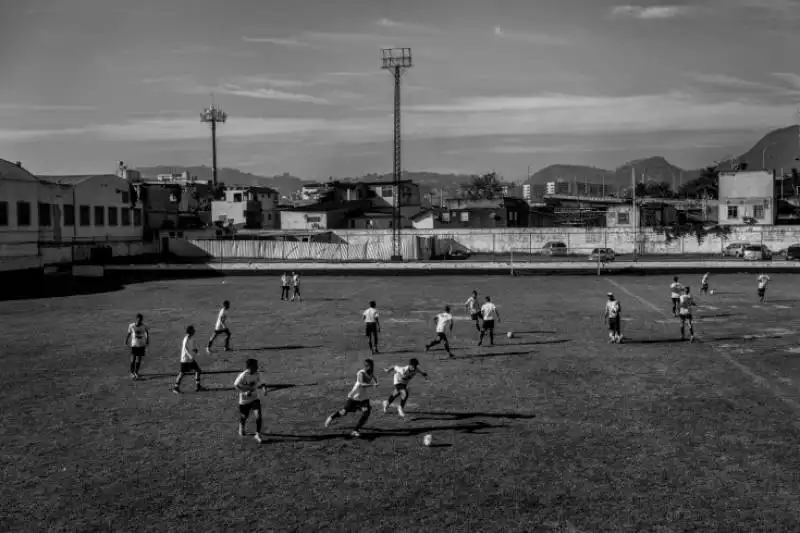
529	261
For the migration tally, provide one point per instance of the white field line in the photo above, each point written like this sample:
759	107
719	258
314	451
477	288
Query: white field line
758	380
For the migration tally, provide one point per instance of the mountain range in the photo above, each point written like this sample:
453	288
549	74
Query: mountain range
778	149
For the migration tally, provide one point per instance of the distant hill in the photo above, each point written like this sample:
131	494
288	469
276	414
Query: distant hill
285	184
781	147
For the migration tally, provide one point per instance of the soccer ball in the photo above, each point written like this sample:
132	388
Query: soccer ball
711	292
510	334
427	439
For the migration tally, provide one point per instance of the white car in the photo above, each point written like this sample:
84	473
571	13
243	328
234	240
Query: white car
735	249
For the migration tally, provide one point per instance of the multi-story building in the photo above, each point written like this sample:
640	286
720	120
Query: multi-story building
252	207
747	197
558	187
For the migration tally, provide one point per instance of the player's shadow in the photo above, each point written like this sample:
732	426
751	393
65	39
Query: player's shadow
485	355
145	377
536	343
281	386
535	332
371	434
449	415
653	341
287	347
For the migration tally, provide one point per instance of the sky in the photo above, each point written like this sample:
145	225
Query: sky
498	85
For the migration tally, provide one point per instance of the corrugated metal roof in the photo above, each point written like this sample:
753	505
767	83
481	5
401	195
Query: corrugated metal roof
74	179
12	171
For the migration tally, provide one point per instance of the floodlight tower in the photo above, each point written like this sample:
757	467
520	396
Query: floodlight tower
397	61
212	115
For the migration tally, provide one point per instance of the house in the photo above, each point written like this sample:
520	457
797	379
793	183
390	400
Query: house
463	213
747	197
251	207
19	220
321	216
385	195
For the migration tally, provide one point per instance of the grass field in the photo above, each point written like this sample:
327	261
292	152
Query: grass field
554	430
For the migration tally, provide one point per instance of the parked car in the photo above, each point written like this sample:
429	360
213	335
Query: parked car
793	252
757	252
735	249
603	255
554	248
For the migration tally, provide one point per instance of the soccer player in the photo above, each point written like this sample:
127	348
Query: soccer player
285	286
763	281
296	285
138	338
248	383
372	325
444	325
402	376
675	289
358	399
612	313
188	363
704	283
221	328
489	313
685	312
474	310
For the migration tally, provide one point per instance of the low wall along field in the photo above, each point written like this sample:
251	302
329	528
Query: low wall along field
376	245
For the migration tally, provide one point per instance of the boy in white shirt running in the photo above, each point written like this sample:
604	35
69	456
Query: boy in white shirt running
675	289
685	313
763	281
704	283
372	326
248	384
139	338
296	285
221	328
402	376
285	286
474	310
444	325
188	363
358	399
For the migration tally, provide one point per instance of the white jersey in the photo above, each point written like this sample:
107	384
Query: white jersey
443	321
489	311
296	280
284	281
188	349
362	385
251	383
763	281
675	290
404	374
472	305
138	334
222	320
685	304
370	315
704	281
613	308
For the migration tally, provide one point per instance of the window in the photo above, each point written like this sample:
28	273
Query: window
126	216
113	213
45	215
3	213
69	215
125	197
464	216
445	217
758	212
733	212
85	213
512	216
23	214
623	218
137	217
387	191
237	197
99	215
352	223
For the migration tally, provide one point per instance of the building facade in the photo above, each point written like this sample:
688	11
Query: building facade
19	220
747	197
251	207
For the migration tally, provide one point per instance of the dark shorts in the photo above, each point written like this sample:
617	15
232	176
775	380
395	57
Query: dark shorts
246	408
223	331
138	351
399	387
351	406
704	287
191	366
613	323
488	324
475	316
371	328
684	318
297	289
761	291
442	336
675	301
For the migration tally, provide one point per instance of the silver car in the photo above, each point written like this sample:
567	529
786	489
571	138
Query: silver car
757	252
604	255
735	249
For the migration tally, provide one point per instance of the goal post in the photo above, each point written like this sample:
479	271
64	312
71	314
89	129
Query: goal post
522	259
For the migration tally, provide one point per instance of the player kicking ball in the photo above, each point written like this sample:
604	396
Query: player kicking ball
444	325
402	376
358	399
221	328
248	383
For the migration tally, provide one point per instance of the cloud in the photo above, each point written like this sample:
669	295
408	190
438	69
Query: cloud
264	94
34	107
651	12
405	26
533	38
290	41
789	77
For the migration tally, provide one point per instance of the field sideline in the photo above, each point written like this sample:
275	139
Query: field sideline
553	430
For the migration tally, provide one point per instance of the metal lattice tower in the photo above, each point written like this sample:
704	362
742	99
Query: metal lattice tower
212	115
397	61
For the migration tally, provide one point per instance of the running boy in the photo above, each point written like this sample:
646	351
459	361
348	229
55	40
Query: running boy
372	326
138	338
188	363
221	328
612	313
704	283
358	399
402	376
763	281
444	325
248	383
474	310
489	313
296	285
685	312
285	286
675	289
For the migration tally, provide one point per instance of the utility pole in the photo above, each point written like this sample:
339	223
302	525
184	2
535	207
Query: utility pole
633	212
212	115
397	61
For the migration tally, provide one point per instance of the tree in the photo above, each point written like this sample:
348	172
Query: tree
654	190
483	187
699	230
704	186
